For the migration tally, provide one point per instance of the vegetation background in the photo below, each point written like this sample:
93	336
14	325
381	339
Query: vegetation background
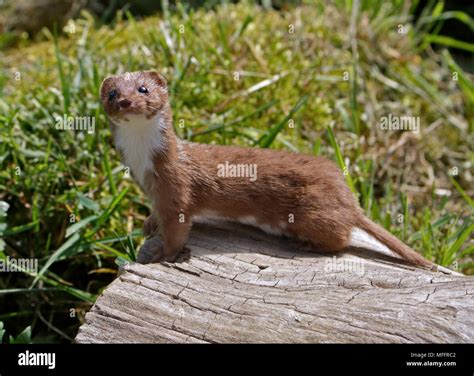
314	76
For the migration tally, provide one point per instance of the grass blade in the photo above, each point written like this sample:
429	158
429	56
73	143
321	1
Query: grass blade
268	139
71	242
340	160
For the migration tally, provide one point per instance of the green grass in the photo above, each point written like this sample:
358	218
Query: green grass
73	208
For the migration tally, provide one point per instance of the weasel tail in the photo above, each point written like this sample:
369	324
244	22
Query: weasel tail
370	235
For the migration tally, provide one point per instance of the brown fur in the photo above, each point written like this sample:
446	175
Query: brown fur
185	184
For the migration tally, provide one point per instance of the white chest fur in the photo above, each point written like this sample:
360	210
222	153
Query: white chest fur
138	139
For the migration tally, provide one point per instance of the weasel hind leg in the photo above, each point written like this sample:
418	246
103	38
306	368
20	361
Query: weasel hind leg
330	241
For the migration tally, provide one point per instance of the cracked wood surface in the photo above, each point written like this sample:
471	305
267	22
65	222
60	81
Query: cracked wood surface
238	284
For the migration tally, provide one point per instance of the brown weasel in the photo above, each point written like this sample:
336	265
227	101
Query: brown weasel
286	193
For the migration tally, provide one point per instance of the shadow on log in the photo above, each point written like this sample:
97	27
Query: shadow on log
237	284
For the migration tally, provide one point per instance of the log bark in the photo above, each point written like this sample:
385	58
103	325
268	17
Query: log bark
236	284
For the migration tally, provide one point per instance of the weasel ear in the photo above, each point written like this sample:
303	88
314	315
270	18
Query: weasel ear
157	78
105	87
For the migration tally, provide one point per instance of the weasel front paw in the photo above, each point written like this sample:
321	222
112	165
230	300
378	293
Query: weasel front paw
149	249
164	255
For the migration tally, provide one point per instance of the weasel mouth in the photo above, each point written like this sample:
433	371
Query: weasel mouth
135	119
129	110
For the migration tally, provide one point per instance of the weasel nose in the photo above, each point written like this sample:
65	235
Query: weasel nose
124	103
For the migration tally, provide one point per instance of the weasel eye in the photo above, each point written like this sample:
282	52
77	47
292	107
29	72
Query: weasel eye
112	95
143	89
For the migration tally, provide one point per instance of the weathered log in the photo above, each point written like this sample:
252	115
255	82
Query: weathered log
237	284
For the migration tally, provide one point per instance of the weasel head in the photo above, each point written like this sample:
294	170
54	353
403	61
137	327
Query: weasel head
136	98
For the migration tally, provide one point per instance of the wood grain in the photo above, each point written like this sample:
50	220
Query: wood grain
236	284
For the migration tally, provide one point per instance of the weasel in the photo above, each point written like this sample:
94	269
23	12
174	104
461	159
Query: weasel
292	194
